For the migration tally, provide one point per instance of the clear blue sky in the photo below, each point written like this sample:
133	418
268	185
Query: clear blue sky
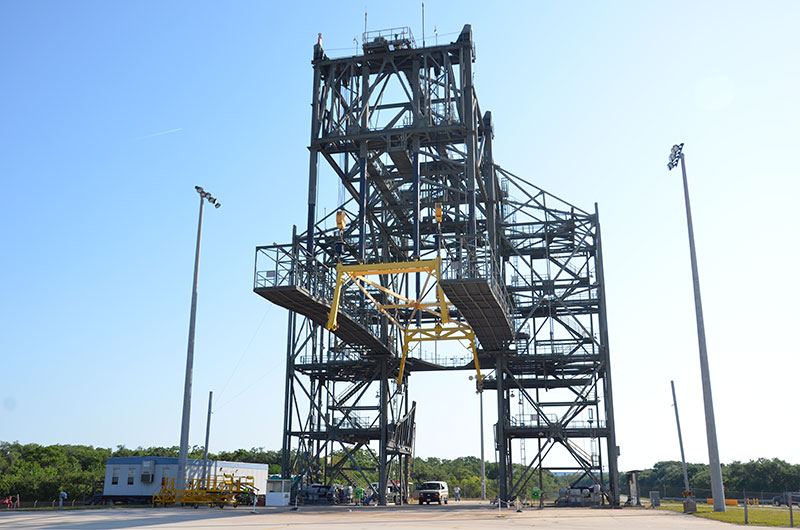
113	111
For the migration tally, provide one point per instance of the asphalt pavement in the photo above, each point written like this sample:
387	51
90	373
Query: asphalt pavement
466	515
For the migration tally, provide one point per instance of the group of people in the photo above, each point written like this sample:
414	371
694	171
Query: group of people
10	502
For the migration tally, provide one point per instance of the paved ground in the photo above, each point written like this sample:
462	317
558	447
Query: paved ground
467	515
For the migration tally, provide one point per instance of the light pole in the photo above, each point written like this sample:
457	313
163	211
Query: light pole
208	431
676	156
479	391
183	455
686	491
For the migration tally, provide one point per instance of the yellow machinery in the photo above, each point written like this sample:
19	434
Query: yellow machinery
214	491
445	329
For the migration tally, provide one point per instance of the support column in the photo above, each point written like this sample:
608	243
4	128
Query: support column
500	431
490	182
406	467
362	204
313	160
312	202
471	123
416	96
611	438
384	426
416	213
362	162
416	197
286	448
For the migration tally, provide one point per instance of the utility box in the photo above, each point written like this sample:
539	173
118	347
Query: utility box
655	499
278	491
633	488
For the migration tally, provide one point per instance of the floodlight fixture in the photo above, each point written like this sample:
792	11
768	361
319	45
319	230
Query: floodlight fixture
207	195
675	156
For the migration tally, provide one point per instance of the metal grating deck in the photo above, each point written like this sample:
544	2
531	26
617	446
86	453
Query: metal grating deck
483	311
299	300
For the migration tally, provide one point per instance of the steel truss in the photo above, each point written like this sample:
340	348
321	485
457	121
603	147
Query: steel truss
402	130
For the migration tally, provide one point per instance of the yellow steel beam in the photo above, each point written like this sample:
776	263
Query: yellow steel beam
382	288
403	360
445	312
358	275
412	304
460	332
397	267
337	293
376	303
416	304
360	270
409	302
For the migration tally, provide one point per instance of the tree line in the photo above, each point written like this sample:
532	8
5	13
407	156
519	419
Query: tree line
761	475
39	472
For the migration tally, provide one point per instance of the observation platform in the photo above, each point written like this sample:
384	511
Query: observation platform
479	304
299	300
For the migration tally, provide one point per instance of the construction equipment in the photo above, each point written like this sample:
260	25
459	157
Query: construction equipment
214	491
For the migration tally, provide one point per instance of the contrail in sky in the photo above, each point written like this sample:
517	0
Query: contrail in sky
162	133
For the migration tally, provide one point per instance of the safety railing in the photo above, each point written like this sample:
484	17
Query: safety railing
328	356
352	420
288	266
553	348
474	259
447	360
395	38
283	266
534	420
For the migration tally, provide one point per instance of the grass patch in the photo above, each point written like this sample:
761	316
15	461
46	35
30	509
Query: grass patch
757	516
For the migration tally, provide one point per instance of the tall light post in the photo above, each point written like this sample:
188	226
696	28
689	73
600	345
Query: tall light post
676	157
183	455
686	491
479	391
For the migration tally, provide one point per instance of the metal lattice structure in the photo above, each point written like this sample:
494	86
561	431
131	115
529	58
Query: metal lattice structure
400	129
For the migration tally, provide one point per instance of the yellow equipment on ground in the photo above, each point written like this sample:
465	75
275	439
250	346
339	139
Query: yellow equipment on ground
214	491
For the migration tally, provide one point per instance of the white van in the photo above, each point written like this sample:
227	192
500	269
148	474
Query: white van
434	491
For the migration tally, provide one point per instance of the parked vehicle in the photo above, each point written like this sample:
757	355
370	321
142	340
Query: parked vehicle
392	493
781	500
434	491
